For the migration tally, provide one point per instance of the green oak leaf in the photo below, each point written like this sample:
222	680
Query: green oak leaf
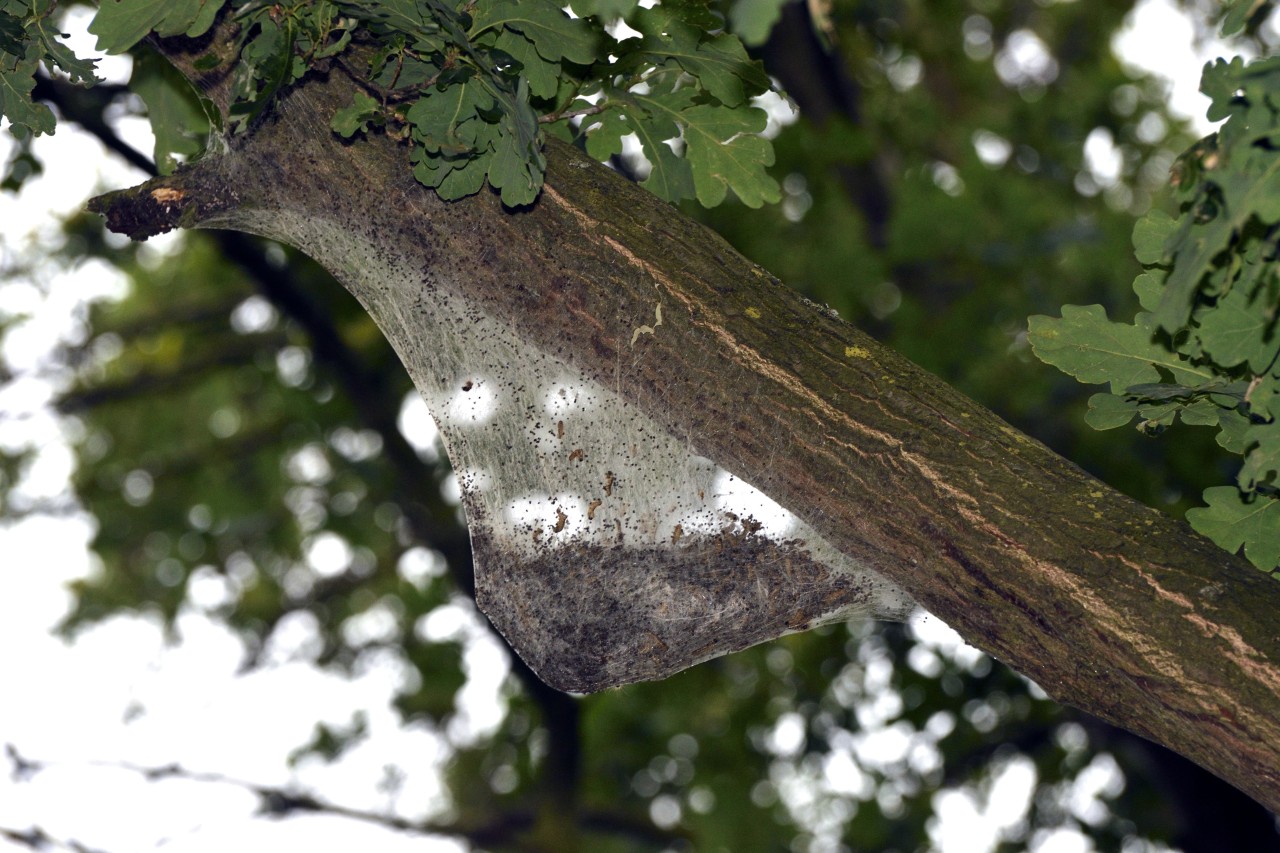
1233	520
670	175
1192	260
1238	14
698	14
1085	344
723	68
543	75
752	20
1233	332
1108	411
267	64
554	34
464	180
451	178
1149	286
410	17
1220	82
447	121
604	133
1232	432
79	70
1158	417
720	63
177	119
39	31
511	172
1245	189
355	118
1150	234
1159	392
657	120
395	68
605	10
13	35
1262	391
726	153
518	116
120	24
17	79
1202	412
1262	461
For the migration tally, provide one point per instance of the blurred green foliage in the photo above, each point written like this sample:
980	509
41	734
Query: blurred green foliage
1204	350
242	458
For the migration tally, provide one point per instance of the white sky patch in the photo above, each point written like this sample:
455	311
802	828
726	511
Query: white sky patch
418	427
992	149
621	31
481	707
376	624
1100	780
481	702
786	738
1102	157
968	823
1157	37
905	73
1025	60
844	775
309	465
328	554
293	365
420	565
254	315
946	178
208	590
780	109
1061	840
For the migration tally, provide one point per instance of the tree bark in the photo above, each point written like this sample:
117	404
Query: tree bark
1107	604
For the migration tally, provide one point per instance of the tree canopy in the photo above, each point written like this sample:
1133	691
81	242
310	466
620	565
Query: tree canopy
240	411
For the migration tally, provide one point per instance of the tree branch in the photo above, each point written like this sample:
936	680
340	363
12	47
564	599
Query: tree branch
1107	604
505	828
36	838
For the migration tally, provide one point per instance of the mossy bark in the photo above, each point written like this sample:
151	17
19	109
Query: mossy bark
1107	604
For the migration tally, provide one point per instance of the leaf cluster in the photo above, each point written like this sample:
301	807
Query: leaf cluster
682	91
463	84
471	85
29	38
275	44
474	86
1204	348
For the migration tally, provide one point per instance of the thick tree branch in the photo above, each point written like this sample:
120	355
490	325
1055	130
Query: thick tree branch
1107	604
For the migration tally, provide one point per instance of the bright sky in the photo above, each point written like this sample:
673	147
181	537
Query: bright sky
119	695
